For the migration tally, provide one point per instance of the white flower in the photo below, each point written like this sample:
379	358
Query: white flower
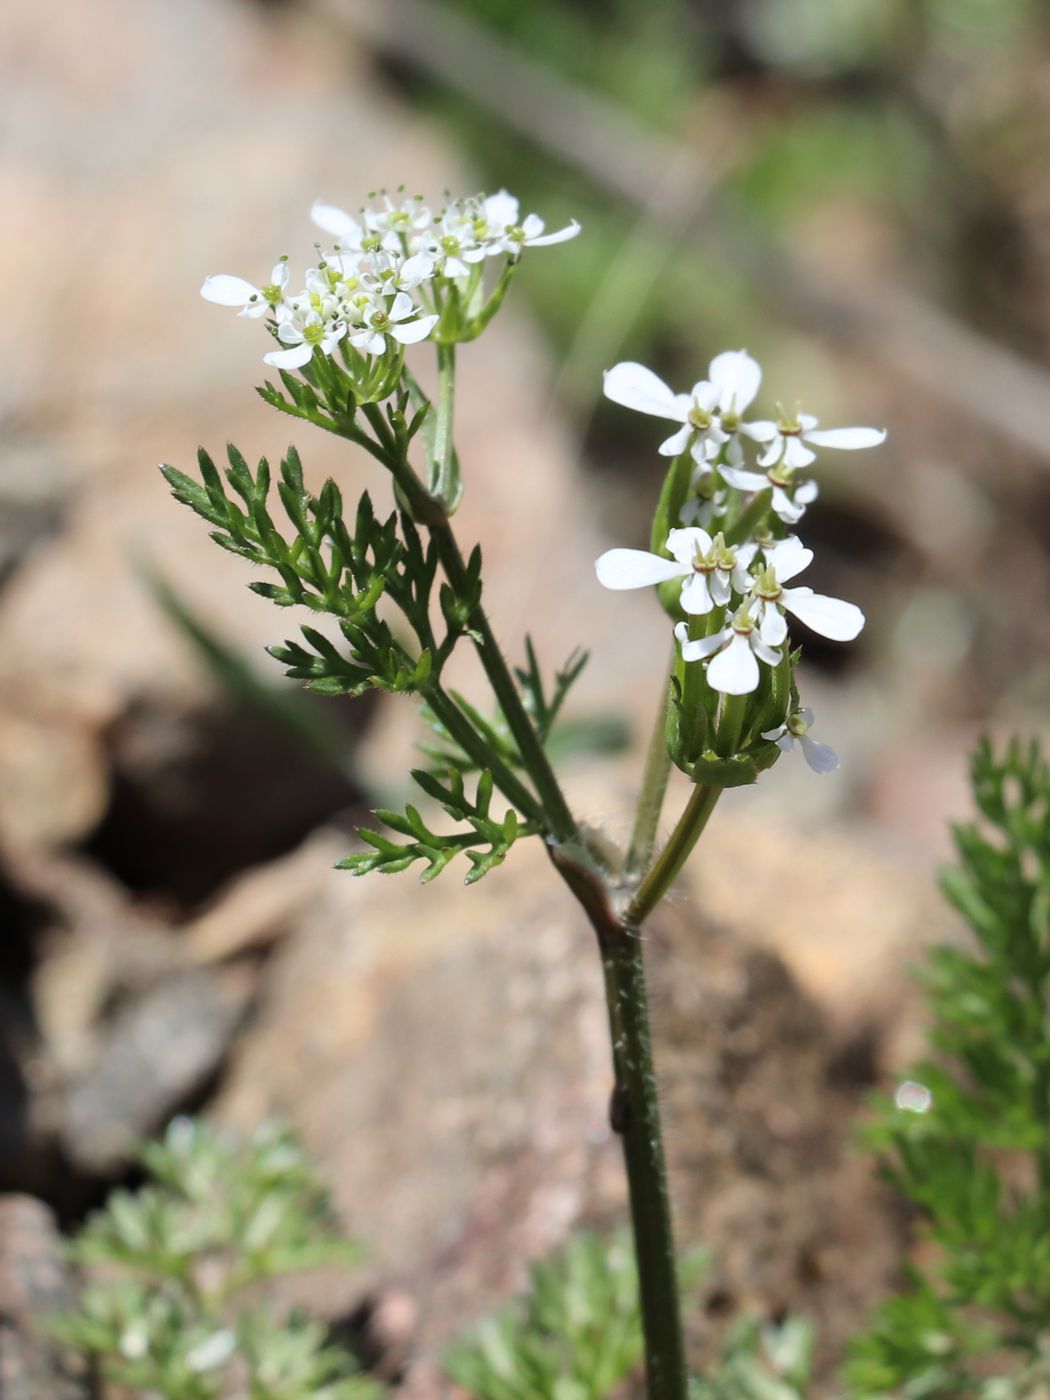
732	654
831	617
226	290
392	272
711	410
351	234
790	508
398	320
705	565
453	247
707	501
305	329
529	234
786	439
820	757
411	216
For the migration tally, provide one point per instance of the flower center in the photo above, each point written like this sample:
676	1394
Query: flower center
380	320
515	233
449	244
699	417
766	586
314	333
796	725
272	293
372	243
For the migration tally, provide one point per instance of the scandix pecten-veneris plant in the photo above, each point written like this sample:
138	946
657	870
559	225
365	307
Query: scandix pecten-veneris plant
724	556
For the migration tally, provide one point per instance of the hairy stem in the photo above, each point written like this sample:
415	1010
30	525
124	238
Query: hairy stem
635	1116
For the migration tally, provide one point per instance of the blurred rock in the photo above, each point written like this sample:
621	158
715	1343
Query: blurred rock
33	1284
156	1056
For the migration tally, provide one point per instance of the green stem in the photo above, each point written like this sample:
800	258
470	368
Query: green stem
654	788
635	1115
673	856
560	820
743	526
442	485
638	1108
476	748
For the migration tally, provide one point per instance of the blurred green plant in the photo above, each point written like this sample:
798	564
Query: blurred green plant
577	1334
967	1136
171	1307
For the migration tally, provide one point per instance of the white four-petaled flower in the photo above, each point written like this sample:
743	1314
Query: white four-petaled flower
786	439
820	757
732	654
707	567
710	414
227	290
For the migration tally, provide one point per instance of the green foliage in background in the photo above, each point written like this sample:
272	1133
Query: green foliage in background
172	1307
976	1161
577	1334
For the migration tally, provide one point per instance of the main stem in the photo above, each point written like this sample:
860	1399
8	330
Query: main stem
635	1115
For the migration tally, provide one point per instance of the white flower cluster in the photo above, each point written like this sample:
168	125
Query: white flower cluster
737	589
387	274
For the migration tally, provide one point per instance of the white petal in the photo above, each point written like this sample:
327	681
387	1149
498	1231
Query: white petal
501	210
831	617
777	733
771	455
639	388
676	443
744	480
806	493
290	359
696	596
735	670
848	439
333	336
401	307
416	268
738	377
561	235
745	553
279	275
683	544
788	557
704	395
763	652
774	625
820	757
337	221
412	332
635	568
702	647
226	290
532	226
761	430
720	589
796	453
786	742
791	512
